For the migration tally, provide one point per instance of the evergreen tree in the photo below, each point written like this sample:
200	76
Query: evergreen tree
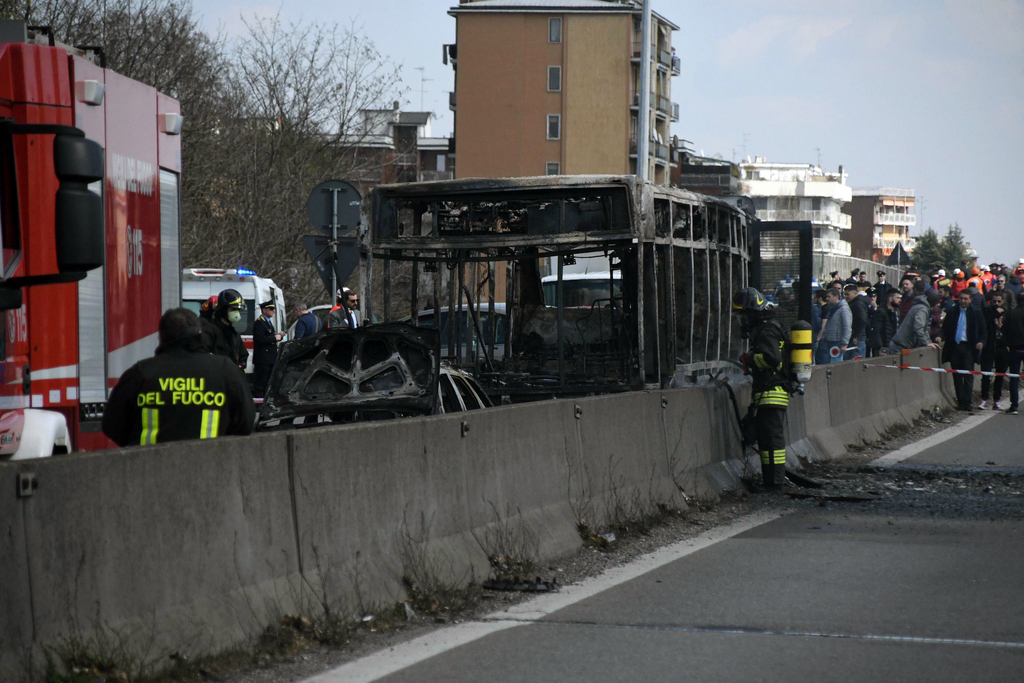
953	248
928	253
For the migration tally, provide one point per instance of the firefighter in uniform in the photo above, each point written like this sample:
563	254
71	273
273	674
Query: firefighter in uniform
264	348
219	334
764	362
183	392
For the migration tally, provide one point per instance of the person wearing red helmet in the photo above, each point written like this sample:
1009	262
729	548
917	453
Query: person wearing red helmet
206	310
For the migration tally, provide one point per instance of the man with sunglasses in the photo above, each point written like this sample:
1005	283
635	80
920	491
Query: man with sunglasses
264	347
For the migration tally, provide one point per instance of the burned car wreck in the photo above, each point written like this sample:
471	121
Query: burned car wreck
373	372
672	260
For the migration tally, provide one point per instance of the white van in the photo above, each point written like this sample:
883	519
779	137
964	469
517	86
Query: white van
199	284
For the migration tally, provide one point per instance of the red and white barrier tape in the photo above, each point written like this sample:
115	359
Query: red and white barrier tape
955	372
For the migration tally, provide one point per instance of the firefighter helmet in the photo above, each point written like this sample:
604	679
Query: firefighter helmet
749	299
209	304
230	304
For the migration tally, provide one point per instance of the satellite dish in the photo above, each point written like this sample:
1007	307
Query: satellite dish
334	203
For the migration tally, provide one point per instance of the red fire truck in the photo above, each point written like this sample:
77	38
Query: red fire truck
90	163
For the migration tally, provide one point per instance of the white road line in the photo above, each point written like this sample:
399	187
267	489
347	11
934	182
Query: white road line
387	662
910	450
545	604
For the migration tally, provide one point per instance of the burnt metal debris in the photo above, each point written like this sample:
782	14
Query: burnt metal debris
392	369
672	259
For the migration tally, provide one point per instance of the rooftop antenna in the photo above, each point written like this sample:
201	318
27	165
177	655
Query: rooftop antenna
818	150
745	137
422	83
921	202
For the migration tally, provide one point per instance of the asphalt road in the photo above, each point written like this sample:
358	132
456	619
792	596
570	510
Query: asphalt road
845	592
998	442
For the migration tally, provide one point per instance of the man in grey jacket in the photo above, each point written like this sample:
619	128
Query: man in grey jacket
836	331
913	331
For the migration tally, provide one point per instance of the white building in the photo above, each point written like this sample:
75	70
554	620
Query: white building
801	192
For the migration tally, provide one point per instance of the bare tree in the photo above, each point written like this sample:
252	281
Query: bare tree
266	119
299	94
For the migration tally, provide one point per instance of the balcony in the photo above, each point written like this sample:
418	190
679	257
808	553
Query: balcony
677	65
664	58
839	221
660	152
832	247
451	100
675	112
664	104
893	218
637	43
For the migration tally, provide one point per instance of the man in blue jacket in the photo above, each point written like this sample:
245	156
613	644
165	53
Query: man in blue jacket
965	335
308	323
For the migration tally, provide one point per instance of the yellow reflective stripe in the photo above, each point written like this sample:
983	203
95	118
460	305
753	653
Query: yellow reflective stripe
780	457
759	361
150	426
772	397
210	427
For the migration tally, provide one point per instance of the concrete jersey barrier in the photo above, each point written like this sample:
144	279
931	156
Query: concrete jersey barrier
196	546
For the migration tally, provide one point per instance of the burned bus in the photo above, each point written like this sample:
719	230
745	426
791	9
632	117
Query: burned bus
470	257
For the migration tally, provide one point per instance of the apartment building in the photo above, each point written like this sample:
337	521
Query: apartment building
881	218
801	192
553	87
394	146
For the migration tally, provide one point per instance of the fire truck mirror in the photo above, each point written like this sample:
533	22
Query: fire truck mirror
77	162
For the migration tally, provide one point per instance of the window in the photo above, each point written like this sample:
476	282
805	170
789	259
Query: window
554	78
553	168
555	30
441	163
554	126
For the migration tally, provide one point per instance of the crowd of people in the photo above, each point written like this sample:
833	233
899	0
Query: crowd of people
976	315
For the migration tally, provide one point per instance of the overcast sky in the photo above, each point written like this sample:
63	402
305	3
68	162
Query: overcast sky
927	94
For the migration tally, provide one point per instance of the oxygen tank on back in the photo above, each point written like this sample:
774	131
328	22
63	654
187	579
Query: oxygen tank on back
800	336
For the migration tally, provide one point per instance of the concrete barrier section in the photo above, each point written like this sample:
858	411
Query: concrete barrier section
197	546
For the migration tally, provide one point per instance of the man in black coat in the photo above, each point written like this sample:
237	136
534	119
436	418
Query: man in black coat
219	334
885	322
965	335
1013	328
858	344
996	354
182	392
882	288
264	347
